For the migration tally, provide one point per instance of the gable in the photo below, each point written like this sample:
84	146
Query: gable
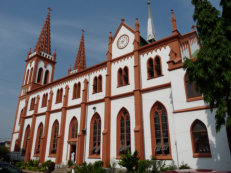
123	41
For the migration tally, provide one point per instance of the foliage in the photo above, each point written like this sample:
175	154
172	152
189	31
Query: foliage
112	167
157	165
143	165
129	161
172	166
184	166
211	72
70	163
96	167
4	153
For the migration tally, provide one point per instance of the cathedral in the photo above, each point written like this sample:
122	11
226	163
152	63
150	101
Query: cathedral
139	98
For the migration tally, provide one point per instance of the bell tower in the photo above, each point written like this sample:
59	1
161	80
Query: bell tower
40	63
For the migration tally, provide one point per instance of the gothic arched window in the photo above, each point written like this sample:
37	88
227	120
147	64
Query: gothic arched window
150	68
79	90
31	75
159	132
99	83
120	77
123	132
40	75
44	100
54	137
73	128
46	78
95	135
158	71
25	142
95	85
200	140
38	138
75	88
32	104
125	76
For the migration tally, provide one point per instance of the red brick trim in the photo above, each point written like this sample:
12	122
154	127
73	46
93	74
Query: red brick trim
192	109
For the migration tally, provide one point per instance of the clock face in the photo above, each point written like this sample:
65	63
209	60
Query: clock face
122	41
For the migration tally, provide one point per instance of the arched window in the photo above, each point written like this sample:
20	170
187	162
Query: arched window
59	95
100	83
73	128
46	78
25	142
123	132
31	75
79	90
27	75
228	131
32	104
125	76
200	140
159	132
158	71
44	100
150	68
120	77
21	115
191	91
95	135
38	138
95	85
54	137
75	91
40	75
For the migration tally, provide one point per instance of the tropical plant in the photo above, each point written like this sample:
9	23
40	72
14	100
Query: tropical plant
129	161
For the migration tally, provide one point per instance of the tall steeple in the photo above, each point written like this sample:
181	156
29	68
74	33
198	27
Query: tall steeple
174	26
43	43
151	37
80	62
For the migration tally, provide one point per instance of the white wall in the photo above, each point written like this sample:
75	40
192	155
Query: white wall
20	107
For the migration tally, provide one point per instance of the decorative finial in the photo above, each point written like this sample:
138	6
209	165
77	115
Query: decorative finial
174	27
122	20
193	27
149	2
151	37
49	9
83	31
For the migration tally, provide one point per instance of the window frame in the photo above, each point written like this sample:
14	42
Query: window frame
72	122
38	140
25	140
118	136
197	155
53	135
153	132
98	135
40	75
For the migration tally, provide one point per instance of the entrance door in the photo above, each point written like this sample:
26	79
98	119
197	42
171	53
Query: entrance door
73	149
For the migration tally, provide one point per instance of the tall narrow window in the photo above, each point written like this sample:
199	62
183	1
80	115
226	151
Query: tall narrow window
40	75
73	128
191	91
79	90
125	76
21	116
120	77
46	78
27	76
160	132
25	142
123	132
157	67
200	140
31	75
150	69
38	138
54	137
44	100
99	83
95	85
32	104
228	131
95	135
59	95
75	88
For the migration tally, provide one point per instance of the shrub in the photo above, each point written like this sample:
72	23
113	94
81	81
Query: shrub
69	163
184	166
172	166
130	161
96	167
4	154
157	165
143	165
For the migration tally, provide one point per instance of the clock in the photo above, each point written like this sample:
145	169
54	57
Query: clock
122	41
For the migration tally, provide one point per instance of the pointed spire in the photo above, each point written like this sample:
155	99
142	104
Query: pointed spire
43	43
150	30
174	27
80	63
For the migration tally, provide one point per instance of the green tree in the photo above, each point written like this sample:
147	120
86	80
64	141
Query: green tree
211	71
4	154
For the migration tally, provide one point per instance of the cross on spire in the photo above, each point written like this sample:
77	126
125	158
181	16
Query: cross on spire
80	62
43	43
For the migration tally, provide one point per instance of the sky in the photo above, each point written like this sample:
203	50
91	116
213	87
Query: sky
21	22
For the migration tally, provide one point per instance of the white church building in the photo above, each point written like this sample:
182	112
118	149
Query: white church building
139	98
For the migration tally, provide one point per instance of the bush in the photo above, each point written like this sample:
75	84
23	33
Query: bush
130	161
143	165
4	154
184	166
157	165
69	163
172	166
96	167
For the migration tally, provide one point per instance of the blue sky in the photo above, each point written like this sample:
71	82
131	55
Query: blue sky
21	22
